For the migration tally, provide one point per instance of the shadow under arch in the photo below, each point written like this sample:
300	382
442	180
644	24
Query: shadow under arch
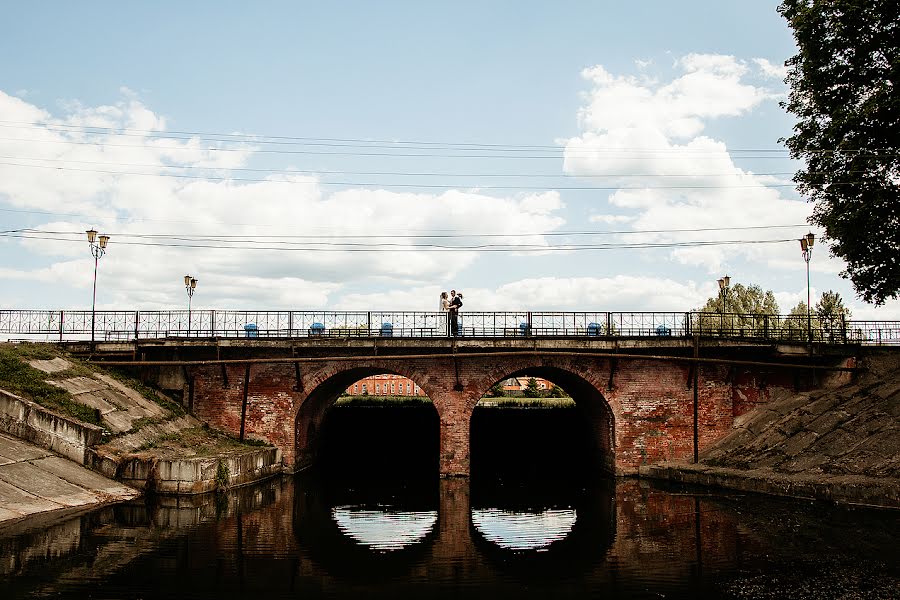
594	426
312	431
540	533
396	531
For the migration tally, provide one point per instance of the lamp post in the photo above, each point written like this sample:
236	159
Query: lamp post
190	284
723	287
806	246
98	249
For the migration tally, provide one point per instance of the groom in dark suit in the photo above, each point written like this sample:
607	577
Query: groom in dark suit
455	305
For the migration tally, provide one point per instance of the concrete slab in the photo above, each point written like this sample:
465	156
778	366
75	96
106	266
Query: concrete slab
132	397
15	450
42	484
95	400
73	473
118	421
51	366
79	385
20	502
6	514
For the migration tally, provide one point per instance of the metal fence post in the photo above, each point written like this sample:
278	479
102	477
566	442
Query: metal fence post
137	320
61	317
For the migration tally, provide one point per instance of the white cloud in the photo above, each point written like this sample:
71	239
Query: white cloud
312	238
771	70
646	137
618	293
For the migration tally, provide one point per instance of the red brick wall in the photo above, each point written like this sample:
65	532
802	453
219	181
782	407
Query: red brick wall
641	410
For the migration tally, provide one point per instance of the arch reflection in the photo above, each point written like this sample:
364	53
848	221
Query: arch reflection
365	530
518	530
540	529
384	529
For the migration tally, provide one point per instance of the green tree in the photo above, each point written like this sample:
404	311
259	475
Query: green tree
844	93
497	390
557	392
795	326
832	315
531	389
744	311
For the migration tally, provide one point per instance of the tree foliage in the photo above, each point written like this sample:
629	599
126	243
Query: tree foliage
739	298
844	94
531	389
740	302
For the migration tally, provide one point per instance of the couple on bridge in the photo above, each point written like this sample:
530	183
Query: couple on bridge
451	306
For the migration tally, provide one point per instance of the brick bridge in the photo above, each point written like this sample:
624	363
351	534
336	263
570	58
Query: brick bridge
641	400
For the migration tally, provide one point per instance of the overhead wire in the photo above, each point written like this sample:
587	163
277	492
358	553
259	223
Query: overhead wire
403	185
392	173
398	247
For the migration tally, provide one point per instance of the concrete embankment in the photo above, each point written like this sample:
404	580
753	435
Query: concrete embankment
840	444
141	439
34	480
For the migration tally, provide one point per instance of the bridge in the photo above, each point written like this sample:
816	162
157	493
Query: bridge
648	386
111	325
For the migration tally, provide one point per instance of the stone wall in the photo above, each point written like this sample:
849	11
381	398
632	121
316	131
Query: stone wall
641	411
42	427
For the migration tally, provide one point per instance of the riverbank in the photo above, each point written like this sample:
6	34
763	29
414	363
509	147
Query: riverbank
112	424
840	445
35	480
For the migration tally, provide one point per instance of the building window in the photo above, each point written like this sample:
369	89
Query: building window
355	387
364	389
392	387
377	388
408	385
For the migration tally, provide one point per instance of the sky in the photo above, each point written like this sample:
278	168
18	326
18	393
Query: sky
596	156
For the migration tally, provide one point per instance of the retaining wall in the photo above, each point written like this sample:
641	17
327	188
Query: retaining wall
34	423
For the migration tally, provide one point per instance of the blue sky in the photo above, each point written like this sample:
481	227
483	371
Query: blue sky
634	100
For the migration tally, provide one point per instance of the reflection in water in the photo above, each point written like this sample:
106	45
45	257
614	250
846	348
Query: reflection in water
523	530
384	529
305	537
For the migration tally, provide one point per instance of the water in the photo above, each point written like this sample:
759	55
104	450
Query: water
309	537
389	532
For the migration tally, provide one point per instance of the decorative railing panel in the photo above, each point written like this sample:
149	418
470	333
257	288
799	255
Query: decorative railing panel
48	325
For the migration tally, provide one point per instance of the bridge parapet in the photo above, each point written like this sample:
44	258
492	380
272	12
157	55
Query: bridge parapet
48	325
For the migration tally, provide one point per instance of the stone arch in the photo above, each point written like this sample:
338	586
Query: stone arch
325	390
584	383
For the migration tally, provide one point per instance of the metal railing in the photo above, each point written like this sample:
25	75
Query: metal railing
128	325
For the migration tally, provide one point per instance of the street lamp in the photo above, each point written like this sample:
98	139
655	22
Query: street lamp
723	287
98	249
806	246
190	284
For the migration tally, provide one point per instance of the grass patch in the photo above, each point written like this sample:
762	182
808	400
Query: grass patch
197	442
522	402
382	401
20	378
147	392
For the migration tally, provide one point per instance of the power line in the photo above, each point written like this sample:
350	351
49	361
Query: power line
392	173
639	154
372	143
299	140
407	185
394	247
245	237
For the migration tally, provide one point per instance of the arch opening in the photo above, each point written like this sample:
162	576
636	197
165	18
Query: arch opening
383	434
541	423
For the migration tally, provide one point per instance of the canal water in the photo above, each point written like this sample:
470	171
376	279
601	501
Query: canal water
506	531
